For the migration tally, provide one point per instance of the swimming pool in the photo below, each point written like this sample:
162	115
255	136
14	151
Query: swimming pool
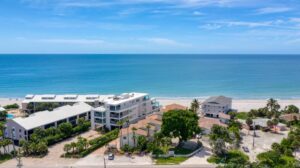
9	116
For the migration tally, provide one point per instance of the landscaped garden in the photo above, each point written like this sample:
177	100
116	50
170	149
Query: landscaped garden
84	147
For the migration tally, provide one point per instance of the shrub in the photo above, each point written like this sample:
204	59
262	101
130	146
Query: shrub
12	106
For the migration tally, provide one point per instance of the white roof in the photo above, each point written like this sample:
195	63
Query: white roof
46	117
65	98
2	109
99	109
125	97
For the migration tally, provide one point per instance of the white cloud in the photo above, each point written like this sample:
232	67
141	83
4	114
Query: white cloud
271	10
163	41
73	41
210	26
197	13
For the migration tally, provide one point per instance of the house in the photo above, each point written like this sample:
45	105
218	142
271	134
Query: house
290	117
263	123
146	127
224	118
206	123
213	106
21	128
174	106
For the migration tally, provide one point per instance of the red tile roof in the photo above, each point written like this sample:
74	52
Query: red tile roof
208	123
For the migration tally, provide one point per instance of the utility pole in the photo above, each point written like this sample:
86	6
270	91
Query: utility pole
104	161
254	134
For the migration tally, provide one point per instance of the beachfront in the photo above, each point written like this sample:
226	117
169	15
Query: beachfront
242	105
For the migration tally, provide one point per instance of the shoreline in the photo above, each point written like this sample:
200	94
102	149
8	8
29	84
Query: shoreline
242	105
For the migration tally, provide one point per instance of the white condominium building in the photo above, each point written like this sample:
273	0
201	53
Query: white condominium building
107	109
21	128
130	107
213	106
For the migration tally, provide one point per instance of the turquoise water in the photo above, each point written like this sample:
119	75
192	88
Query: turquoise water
239	76
9	116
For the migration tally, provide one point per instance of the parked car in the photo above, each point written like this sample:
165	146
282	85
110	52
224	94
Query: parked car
111	156
245	149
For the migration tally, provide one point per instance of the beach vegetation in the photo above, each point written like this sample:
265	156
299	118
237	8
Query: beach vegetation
42	106
12	106
181	124
242	115
290	109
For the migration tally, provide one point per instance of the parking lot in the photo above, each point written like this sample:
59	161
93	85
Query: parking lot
262	141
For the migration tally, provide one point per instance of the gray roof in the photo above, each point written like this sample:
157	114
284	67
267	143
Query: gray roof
218	100
42	118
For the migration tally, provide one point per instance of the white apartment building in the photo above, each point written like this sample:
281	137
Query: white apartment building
21	128
213	106
130	107
94	100
107	109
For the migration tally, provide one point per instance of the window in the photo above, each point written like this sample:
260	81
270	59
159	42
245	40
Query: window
112	108
124	138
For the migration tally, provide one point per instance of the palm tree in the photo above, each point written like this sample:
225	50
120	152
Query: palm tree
273	106
127	124
120	124
195	105
73	146
133	135
148	130
67	148
249	122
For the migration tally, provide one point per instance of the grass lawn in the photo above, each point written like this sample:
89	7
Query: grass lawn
170	160
182	151
242	115
5	157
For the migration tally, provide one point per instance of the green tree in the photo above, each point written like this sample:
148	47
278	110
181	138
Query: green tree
219	147
291	109
25	147
195	105
182	124
3	115
67	148
65	128
142	143
273	107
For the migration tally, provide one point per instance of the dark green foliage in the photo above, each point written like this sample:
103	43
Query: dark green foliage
291	109
42	106
182	124
3	115
42	138
12	106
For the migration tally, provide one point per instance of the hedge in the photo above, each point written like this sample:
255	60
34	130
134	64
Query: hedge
99	142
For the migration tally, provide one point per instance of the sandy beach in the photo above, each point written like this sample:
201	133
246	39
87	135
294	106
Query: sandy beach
242	105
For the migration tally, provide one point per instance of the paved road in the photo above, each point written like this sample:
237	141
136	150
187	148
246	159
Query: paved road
129	166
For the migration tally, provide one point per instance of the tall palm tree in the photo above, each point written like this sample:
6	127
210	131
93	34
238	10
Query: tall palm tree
133	135
127	124
273	105
195	105
148	130
73	146
120	124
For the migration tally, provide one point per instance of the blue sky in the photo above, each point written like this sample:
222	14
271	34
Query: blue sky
150	26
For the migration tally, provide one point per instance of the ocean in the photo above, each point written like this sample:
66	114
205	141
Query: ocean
238	76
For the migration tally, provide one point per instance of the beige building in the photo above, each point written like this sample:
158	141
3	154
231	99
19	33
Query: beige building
146	127
213	106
